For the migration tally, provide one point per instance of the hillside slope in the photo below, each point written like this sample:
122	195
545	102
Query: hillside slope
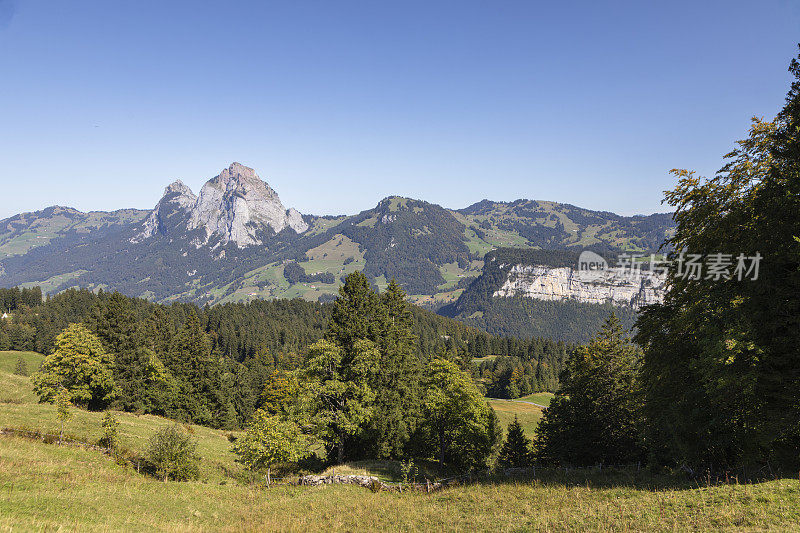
46	487
52	487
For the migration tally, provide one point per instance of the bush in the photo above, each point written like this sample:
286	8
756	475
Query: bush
270	440
109	425
21	368
173	454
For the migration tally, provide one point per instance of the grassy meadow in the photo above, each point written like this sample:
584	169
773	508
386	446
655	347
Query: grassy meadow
19	409
61	488
47	487
541	398
527	414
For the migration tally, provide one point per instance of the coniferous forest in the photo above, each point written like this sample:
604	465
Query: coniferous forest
214	366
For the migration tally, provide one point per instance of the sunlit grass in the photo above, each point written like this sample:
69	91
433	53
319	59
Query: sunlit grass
19	408
47	487
527	414
542	398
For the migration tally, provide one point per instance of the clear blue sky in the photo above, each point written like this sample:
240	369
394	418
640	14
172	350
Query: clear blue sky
338	104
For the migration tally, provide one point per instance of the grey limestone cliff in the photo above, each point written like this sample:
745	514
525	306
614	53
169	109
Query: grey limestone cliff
625	288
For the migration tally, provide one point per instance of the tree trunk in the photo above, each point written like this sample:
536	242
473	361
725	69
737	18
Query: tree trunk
269	478
341	447
61	434
441	447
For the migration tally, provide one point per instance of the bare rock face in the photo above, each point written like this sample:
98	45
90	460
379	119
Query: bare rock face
236	206
564	283
177	199
237	203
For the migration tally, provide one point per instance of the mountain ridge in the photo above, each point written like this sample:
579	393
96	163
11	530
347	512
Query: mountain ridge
229	251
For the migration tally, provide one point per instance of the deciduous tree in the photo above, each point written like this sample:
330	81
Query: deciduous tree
456	415
336	392
271	440
63	412
730	344
81	366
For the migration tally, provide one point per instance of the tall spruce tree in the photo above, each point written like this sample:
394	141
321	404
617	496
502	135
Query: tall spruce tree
595	416
197	373
516	450
397	382
113	320
356	314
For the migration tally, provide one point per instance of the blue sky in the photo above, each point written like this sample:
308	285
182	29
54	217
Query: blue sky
338	104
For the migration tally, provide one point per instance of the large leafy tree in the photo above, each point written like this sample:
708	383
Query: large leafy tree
460	424
271	440
79	365
730	346
595	415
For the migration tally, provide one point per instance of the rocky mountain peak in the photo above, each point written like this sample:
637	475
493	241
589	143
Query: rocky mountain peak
236	205
236	175
178	187
178	193
177	198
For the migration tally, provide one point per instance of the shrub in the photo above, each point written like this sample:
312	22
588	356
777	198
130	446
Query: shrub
108	426
409	471
21	368
62	411
173	454
270	440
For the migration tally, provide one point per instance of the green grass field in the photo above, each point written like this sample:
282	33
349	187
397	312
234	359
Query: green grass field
527	414
542	398
47	487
